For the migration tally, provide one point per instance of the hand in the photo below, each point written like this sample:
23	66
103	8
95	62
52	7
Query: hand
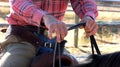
91	26
55	26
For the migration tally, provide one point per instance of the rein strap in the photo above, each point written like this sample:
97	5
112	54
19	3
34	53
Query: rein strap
92	39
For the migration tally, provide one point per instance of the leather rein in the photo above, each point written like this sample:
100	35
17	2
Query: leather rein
92	40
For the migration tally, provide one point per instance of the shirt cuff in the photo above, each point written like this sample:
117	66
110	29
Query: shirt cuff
37	16
91	14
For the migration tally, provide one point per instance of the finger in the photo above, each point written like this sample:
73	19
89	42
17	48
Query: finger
63	31
57	30
50	31
89	26
81	27
93	31
92	26
83	21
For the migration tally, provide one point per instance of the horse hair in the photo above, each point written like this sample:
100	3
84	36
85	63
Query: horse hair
106	60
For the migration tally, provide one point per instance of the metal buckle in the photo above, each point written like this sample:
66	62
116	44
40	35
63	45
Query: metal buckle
48	45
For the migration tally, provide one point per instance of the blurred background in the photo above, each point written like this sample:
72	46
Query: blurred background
107	37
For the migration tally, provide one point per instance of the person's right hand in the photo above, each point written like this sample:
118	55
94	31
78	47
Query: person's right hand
55	26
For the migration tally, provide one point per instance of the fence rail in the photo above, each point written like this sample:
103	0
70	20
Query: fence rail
4	4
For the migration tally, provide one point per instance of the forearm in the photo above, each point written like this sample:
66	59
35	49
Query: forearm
90	8
27	10
85	8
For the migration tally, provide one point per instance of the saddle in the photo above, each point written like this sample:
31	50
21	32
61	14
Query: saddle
52	54
49	52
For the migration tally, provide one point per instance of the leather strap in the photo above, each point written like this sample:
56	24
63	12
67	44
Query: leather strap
92	39
94	45
24	34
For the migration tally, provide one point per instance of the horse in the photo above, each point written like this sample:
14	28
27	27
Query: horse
106	60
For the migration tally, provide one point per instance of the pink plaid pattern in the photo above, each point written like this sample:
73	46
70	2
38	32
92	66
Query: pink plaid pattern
30	12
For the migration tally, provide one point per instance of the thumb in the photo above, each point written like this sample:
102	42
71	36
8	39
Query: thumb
81	27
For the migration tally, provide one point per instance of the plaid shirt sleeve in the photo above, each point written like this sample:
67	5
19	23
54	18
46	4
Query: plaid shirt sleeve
26	11
85	8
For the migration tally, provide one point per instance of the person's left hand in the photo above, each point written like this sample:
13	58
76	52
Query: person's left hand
91	26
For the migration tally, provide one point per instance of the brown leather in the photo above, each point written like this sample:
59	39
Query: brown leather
46	60
24	34
3	30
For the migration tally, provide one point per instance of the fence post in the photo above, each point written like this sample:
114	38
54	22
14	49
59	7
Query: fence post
76	32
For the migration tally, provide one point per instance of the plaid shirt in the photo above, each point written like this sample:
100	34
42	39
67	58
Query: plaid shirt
30	12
